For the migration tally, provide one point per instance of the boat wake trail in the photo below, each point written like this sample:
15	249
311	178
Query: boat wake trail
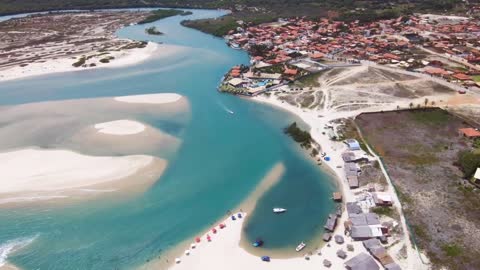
225	107
11	246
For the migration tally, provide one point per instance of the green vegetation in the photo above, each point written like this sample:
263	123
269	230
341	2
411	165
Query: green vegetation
310	80
153	31
80	62
469	161
161	14
221	26
431	116
420	232
135	45
476	143
301	136
218	27
452	250
349	131
385	211
292	7
476	78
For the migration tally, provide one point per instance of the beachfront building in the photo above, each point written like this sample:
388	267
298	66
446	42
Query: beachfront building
382	199
362	261
352	144
378	251
351	172
469	133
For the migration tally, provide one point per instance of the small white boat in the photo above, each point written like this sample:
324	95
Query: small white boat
279	210
300	246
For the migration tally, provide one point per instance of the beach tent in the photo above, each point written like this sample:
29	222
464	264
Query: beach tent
265	258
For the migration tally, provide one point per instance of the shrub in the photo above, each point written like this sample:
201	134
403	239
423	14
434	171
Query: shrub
468	162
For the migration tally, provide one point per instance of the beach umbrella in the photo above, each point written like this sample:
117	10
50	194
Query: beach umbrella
197	239
222	225
209	238
177	260
265	258
214	230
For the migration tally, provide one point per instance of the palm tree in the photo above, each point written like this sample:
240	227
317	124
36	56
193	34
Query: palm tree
432	103
426	102
410	105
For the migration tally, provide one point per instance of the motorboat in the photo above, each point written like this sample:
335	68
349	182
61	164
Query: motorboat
258	243
279	210
300	246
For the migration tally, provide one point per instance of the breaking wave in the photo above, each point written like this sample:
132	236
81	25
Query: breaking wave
11	246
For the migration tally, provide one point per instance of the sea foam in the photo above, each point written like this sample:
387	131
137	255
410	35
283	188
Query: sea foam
13	245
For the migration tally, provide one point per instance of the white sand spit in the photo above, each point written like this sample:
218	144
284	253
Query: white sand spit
223	252
122	58
51	170
160	98
120	127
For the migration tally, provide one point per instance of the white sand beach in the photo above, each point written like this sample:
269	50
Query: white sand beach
120	127
160	98
38	175
224	252
122	58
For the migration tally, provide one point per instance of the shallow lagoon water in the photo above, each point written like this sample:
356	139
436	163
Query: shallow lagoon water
222	158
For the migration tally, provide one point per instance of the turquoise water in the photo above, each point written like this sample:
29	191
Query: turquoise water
222	158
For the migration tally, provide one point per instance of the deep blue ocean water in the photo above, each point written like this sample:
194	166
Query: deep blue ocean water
221	160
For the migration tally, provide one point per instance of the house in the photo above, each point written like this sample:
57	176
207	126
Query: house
461	77
353	181
392	266
351	171
362	261
349	156
469	132
382	199
353	208
352	144
375	248
331	223
337	196
365	226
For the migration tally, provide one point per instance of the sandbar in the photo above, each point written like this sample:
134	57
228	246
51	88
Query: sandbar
120	127
160	98
54	174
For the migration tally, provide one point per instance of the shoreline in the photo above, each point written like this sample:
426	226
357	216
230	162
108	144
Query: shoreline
122	59
271	178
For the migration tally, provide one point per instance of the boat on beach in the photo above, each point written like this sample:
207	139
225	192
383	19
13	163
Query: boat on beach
300	246
279	210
